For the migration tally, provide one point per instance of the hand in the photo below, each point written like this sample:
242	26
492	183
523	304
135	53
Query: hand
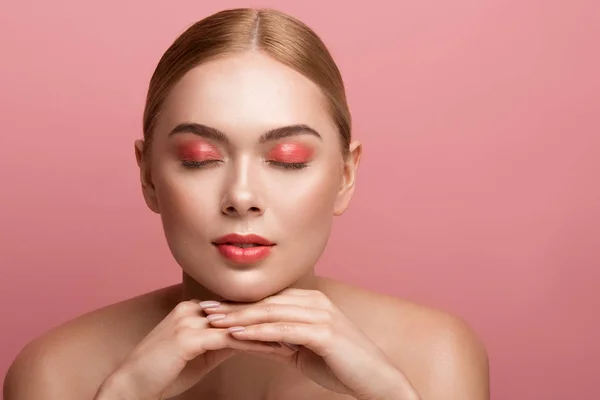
174	356
330	349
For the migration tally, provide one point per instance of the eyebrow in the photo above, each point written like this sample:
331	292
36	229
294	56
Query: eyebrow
218	136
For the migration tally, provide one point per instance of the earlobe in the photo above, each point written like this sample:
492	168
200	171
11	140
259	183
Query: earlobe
346	191
148	189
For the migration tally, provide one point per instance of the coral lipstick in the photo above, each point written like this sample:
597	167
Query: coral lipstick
244	249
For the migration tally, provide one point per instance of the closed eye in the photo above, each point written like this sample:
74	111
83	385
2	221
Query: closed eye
292	165
198	164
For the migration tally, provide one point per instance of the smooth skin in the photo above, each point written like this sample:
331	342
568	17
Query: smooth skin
271	330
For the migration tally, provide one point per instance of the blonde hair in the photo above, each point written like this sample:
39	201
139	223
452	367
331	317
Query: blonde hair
278	35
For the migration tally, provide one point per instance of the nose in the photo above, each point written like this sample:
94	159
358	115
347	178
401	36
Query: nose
242	196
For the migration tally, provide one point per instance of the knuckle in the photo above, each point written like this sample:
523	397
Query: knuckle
269	308
181	334
326	317
284	328
321	296
319	299
189	322
325	303
314	293
184	308
326	334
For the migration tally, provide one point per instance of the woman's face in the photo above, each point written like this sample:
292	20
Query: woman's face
245	146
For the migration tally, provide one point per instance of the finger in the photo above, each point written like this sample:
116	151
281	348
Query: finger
318	338
262	313
261	347
229	307
307	298
275	348
193	342
184	309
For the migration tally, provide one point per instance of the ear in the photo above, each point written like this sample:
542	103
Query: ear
348	178
148	189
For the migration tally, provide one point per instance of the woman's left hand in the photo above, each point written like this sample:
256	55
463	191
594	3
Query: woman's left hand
327	347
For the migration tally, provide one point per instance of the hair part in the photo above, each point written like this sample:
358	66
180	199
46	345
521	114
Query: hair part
271	32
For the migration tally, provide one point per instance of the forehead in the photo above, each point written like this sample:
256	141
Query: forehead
246	92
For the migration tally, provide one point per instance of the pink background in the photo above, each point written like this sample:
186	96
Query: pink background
478	192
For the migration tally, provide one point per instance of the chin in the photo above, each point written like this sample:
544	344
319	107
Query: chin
247	293
245	297
245	286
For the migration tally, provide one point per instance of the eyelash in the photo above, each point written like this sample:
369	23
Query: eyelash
200	164
295	165
197	164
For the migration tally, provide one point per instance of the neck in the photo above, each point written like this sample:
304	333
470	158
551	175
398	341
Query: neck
191	289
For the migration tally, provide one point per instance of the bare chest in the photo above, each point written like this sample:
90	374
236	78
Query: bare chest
279	386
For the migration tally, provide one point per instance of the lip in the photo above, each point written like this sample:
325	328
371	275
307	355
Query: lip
234	238
226	245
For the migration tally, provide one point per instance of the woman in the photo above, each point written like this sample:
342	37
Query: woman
247	156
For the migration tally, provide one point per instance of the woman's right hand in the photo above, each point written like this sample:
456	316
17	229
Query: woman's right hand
174	356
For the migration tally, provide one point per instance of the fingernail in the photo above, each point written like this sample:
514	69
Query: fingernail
209	304
215	317
273	344
294	347
236	329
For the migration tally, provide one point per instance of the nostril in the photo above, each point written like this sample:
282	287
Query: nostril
232	210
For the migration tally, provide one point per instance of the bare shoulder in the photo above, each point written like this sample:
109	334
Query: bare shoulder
73	359
439	352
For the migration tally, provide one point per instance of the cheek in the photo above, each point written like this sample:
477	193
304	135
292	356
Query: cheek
308	203
304	218
186	206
